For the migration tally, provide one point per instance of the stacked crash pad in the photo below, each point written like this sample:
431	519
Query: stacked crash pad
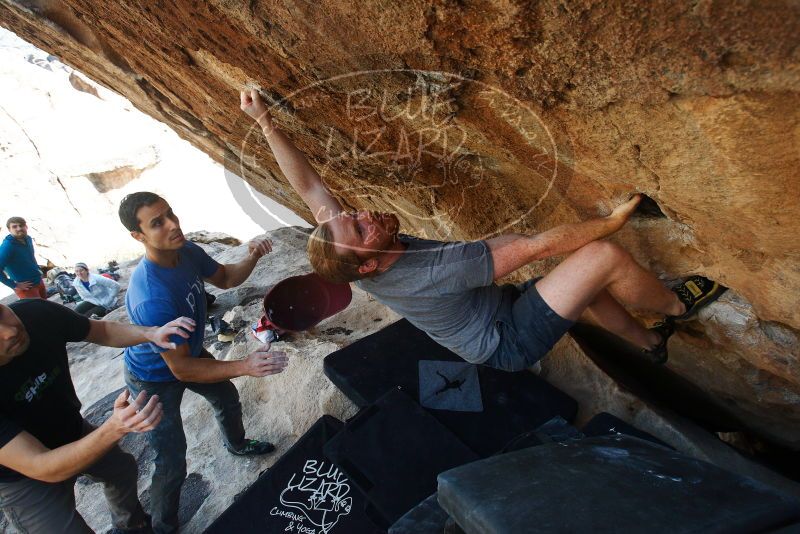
424	410
304	492
393	451
611	483
486	411
429	518
427	416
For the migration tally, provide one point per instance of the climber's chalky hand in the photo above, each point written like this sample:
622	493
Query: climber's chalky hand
254	106
623	212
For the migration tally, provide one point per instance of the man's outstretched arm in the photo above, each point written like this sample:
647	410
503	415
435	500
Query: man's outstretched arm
232	274
25	454
294	165
113	334
512	251
261	362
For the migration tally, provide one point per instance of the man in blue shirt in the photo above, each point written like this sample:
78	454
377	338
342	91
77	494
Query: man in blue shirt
168	282
18	267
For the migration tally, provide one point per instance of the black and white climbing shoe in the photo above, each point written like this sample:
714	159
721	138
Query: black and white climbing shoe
252	447
658	354
696	292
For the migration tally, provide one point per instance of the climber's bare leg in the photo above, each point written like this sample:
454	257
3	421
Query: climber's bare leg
575	283
605	312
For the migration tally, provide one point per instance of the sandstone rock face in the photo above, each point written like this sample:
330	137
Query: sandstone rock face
213	237
473	119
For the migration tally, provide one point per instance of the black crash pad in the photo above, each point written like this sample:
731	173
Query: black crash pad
554	431
611	484
605	424
425	518
513	403
303	493
392	451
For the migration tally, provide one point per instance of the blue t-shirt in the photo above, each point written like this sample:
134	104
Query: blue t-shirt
86	285
18	262
157	295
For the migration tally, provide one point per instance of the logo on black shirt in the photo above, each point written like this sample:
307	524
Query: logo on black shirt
33	388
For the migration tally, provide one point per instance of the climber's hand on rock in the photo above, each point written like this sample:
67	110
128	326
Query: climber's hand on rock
623	212
259	247
254	106
262	362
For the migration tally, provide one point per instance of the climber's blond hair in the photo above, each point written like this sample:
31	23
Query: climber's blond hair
327	262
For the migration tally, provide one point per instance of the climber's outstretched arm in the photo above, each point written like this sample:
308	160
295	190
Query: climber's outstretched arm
293	163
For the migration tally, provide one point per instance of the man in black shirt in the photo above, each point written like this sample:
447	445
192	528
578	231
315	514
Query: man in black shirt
44	441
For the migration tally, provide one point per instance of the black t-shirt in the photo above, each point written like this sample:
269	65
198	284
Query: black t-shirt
36	391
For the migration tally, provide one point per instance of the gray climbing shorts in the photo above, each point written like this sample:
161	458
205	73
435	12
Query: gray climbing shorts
528	328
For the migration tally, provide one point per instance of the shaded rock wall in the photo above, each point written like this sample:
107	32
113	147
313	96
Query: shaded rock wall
471	118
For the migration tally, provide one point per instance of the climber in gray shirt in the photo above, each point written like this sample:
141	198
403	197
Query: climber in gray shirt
445	289
448	289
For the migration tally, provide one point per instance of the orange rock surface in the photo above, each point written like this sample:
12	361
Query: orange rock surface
473	118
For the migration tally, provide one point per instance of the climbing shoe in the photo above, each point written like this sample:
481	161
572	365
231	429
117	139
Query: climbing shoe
252	447
658	354
696	292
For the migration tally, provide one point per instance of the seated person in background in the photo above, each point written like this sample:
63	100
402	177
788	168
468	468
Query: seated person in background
18	267
44	441
448	289
98	293
168	283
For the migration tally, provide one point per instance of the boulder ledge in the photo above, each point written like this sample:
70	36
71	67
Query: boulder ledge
469	120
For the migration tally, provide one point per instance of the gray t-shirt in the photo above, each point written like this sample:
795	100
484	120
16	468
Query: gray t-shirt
446	290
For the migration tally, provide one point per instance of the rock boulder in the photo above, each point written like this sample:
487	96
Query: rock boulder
469	119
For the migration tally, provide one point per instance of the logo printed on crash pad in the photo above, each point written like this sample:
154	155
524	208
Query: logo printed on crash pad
321	492
449	384
453	386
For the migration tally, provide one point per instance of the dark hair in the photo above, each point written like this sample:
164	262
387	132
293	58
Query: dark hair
131	204
12	220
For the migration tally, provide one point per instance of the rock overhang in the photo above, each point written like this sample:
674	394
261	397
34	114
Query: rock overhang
469	120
